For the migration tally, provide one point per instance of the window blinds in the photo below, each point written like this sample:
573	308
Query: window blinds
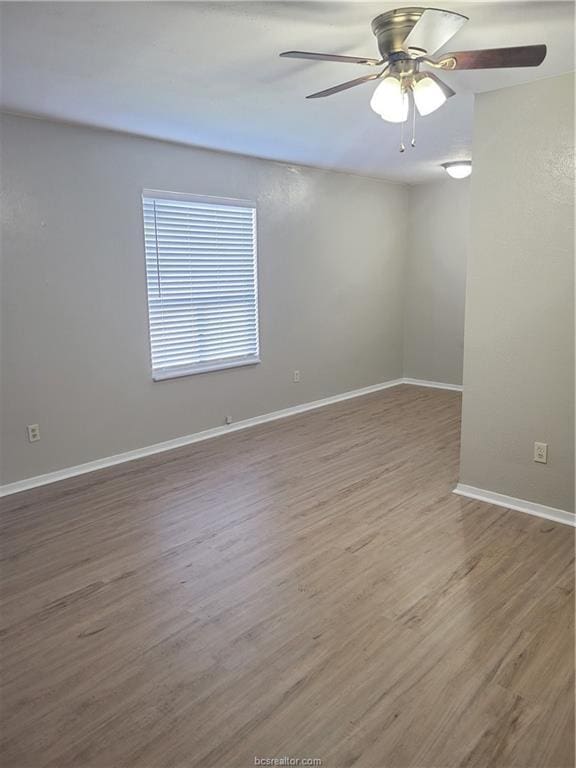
202	283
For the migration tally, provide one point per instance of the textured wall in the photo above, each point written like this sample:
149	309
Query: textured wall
74	328
438	239
519	337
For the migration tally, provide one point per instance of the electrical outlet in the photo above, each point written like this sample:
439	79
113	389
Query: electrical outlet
227	419
33	432
296	377
541	453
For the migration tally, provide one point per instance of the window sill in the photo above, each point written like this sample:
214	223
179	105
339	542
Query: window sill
178	373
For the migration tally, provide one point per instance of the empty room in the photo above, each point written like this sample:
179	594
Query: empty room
287	398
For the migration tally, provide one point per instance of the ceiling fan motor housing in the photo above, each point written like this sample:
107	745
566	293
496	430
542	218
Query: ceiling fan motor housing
393	27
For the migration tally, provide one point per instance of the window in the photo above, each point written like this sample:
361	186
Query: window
202	283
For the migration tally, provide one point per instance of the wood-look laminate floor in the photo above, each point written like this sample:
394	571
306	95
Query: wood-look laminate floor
308	588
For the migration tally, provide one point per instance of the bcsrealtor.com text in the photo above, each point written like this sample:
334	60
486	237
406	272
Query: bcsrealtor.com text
285	760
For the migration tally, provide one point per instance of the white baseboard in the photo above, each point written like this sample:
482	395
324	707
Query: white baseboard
168	445
434	384
520	505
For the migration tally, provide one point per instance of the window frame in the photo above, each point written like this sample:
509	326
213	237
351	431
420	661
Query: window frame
217	365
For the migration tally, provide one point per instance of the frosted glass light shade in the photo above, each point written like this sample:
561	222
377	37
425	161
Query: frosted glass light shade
458	169
390	101
428	95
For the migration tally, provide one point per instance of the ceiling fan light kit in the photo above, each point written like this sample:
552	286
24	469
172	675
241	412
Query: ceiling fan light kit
429	92
407	40
390	100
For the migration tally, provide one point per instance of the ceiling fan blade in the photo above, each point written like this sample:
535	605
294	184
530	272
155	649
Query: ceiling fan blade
493	58
433	30
331	57
344	86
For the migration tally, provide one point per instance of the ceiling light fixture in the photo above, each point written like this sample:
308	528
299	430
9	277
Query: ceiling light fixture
390	100
430	93
459	169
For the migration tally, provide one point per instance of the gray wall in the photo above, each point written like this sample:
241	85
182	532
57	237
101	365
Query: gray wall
519	337
438	238
74	327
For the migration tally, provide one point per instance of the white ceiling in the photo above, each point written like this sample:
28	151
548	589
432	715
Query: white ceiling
209	74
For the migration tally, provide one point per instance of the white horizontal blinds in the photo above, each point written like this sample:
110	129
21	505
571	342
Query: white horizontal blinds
202	283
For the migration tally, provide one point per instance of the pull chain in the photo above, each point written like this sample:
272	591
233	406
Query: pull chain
413	142
402	147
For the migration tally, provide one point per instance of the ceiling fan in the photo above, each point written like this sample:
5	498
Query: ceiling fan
407	39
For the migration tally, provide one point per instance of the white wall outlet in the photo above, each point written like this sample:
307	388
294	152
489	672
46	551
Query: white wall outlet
541	453
227	419
33	432
296	377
